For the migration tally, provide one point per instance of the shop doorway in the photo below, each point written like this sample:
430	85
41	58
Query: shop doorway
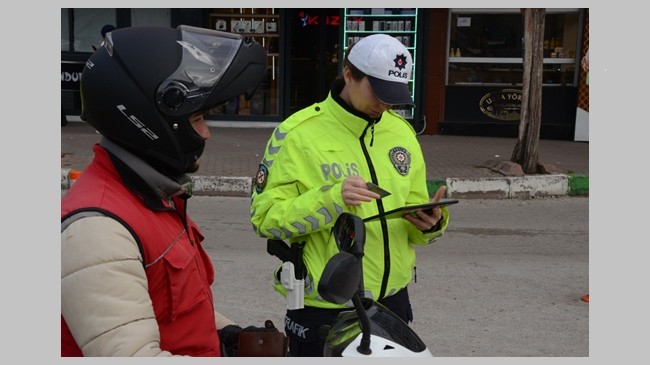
314	55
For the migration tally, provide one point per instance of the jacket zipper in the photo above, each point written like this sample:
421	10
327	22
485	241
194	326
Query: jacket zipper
380	208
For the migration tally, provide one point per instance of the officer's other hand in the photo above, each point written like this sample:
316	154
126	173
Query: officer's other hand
428	222
354	191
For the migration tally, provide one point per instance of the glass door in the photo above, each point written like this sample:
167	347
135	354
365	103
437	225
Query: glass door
313	51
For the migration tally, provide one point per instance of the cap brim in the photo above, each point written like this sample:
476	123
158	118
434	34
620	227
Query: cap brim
392	93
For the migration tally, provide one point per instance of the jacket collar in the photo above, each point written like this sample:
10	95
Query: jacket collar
349	117
152	182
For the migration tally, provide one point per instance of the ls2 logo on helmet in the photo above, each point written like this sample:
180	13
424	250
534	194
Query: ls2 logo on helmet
136	122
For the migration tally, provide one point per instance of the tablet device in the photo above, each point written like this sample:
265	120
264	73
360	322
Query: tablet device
400	212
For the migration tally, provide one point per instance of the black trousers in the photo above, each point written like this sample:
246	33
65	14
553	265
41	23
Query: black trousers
303	326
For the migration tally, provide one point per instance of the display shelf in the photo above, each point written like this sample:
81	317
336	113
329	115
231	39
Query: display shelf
557	72
243	15
507	60
400	23
486	47
255	25
262	26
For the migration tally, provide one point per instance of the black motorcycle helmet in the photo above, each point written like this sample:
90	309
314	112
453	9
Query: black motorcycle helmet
141	86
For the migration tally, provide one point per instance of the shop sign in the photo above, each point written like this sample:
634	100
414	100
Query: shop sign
71	75
309	20
504	104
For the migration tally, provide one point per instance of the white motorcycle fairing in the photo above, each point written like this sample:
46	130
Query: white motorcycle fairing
382	347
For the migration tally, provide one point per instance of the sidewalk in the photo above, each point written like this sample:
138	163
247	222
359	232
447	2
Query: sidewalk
231	157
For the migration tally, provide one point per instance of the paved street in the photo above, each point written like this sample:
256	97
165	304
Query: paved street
505	280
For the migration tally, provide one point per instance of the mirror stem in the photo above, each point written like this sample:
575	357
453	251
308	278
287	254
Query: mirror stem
364	346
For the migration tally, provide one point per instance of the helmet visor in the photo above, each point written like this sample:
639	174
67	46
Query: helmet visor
207	54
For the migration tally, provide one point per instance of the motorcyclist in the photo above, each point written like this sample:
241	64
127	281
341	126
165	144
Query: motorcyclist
135	278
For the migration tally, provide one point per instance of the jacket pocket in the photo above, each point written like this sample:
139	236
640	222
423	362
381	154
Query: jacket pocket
184	282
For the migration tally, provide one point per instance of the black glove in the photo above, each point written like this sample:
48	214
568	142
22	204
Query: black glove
229	336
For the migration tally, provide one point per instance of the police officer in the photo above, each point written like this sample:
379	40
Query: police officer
317	164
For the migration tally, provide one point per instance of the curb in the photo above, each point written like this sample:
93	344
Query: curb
509	187
523	187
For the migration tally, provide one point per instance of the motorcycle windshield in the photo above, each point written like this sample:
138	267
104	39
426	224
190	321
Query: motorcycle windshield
383	323
388	325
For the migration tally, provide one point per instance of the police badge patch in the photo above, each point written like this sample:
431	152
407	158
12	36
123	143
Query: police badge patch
260	178
401	159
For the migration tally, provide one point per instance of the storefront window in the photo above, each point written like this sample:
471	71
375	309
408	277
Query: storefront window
486	47
263	26
87	27
89	22
151	17
65	31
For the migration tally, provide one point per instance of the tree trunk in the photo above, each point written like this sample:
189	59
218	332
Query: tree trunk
525	152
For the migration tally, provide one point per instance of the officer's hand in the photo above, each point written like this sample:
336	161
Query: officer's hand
354	191
427	222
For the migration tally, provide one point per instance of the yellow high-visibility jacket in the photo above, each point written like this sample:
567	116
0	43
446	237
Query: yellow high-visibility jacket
297	195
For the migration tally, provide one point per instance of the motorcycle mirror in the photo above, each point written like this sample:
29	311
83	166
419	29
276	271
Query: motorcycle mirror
340	279
350	234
